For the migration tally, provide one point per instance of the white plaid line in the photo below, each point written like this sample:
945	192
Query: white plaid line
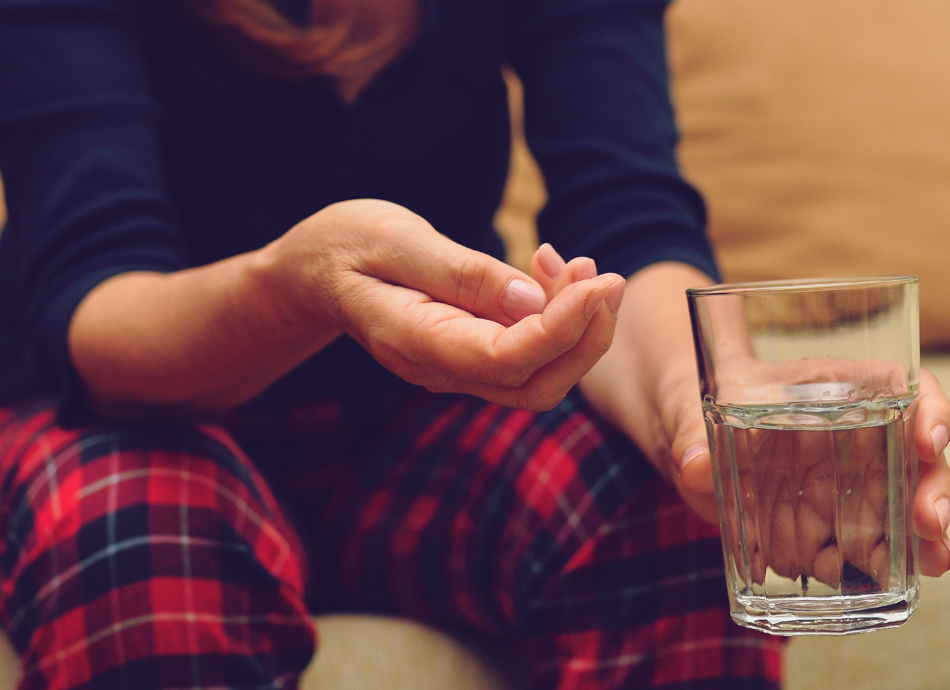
659	515
133	542
53	464
189	617
112	502
573	516
54	497
192	631
240	504
626	651
589	497
87	442
54	552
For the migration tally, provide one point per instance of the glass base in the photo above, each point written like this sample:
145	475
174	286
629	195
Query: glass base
828	615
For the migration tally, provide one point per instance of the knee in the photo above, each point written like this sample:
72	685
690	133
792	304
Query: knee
143	526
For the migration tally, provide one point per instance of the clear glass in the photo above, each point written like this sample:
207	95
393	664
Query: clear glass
809	391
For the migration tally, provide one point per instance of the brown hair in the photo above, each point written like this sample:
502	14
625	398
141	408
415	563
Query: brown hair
349	41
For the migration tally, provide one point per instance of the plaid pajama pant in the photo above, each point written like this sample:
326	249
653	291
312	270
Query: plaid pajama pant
159	558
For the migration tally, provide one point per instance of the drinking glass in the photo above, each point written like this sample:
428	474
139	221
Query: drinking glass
809	393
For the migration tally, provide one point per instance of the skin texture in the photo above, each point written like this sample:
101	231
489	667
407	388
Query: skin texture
206	339
439	315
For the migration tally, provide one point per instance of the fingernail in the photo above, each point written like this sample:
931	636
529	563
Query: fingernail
586	270
939	437
942	506
594	300
615	296
691	454
551	263
522	299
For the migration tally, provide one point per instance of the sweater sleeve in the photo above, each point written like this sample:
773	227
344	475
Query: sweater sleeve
599	120
80	162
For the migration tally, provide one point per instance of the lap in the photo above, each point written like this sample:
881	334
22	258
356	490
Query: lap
111	518
551	531
501	495
547	528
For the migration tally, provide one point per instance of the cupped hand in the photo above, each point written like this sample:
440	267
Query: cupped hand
440	315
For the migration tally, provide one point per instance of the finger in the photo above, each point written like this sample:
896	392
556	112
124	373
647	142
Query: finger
690	447
934	557
933	418
577	269
553	275
827	567
932	501
703	504
546	268
548	385
569	368
450	348
540	339
413	254
859	379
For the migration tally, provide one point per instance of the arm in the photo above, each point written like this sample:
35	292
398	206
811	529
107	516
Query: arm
598	119
647	384
196	341
435	313
600	122
109	310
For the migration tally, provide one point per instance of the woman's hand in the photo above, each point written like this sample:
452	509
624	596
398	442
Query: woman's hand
931	508
932	500
647	385
440	315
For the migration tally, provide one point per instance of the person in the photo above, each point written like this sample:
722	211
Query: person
260	355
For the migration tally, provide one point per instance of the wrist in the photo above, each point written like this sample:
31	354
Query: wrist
287	294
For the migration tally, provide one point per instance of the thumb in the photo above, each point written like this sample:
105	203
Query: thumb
690	453
430	262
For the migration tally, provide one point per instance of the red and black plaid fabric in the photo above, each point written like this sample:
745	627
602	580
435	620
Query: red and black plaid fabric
548	531
144	558
157	558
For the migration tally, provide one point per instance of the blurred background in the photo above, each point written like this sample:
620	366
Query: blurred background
819	134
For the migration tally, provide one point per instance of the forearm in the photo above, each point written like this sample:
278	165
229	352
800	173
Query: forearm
651	357
196	341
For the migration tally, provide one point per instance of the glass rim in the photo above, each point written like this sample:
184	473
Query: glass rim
800	285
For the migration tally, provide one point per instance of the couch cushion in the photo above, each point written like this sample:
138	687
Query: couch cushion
819	134
360	652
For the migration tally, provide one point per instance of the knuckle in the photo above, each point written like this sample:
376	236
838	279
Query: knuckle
506	371
509	377
473	271
600	343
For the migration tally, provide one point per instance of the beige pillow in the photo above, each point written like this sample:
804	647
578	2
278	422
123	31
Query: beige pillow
819	134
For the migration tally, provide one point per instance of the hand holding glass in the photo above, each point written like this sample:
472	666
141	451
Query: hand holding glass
809	392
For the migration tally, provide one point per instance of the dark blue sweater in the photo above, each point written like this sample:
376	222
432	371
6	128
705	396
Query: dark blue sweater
124	149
